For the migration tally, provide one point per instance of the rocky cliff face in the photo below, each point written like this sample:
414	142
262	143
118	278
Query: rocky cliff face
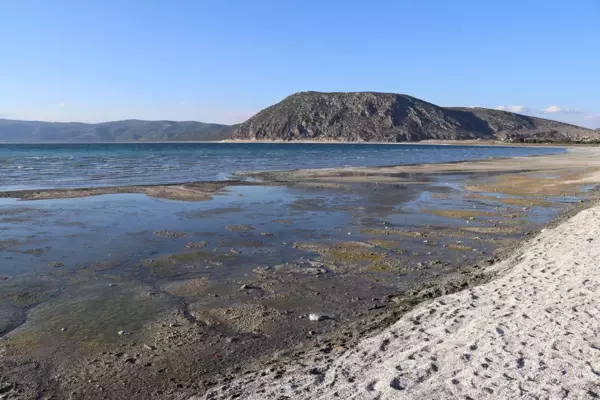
386	117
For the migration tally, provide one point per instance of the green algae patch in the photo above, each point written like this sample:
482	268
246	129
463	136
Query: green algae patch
493	230
384	267
347	253
387	232
175	265
458	247
516	201
459	214
351	254
240	228
6	244
527	185
185	258
104	265
187	288
89	317
188	257
26	298
386	244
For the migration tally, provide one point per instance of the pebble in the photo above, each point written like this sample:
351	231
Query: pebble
317	317
121	333
112	284
63	329
148	347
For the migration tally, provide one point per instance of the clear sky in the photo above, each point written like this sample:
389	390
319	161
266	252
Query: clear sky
222	61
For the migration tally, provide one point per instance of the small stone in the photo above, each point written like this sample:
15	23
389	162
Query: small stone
63	329
312	333
248	287
121	332
148	347
317	317
112	284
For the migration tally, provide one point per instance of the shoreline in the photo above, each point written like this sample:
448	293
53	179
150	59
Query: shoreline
430	142
204	190
525	329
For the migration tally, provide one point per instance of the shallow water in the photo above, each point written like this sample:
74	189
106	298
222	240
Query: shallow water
38	166
260	223
89	280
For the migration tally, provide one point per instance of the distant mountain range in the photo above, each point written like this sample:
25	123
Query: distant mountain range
349	117
12	131
387	117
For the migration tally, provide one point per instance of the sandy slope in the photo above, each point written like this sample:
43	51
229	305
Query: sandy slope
532	333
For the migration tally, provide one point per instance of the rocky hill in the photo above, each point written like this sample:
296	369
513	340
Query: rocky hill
387	117
12	131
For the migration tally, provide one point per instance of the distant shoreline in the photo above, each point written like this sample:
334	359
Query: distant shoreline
495	143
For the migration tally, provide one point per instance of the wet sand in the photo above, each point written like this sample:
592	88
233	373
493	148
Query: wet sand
577	161
225	287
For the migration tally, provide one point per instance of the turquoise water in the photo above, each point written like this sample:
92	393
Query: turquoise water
39	166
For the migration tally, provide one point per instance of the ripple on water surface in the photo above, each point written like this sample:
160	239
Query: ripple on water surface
84	165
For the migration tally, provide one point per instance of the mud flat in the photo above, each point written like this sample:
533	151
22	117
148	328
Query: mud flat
579	162
193	191
531	332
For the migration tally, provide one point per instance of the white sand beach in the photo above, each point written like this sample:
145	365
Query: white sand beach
533	332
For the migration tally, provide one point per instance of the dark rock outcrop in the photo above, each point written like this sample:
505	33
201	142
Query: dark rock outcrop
387	117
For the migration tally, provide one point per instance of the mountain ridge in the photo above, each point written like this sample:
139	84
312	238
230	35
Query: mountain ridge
390	117
318	116
130	130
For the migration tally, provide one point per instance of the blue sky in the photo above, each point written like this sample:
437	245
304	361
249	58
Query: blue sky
222	61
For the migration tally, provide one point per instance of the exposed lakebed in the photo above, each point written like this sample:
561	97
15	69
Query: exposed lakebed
127	293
